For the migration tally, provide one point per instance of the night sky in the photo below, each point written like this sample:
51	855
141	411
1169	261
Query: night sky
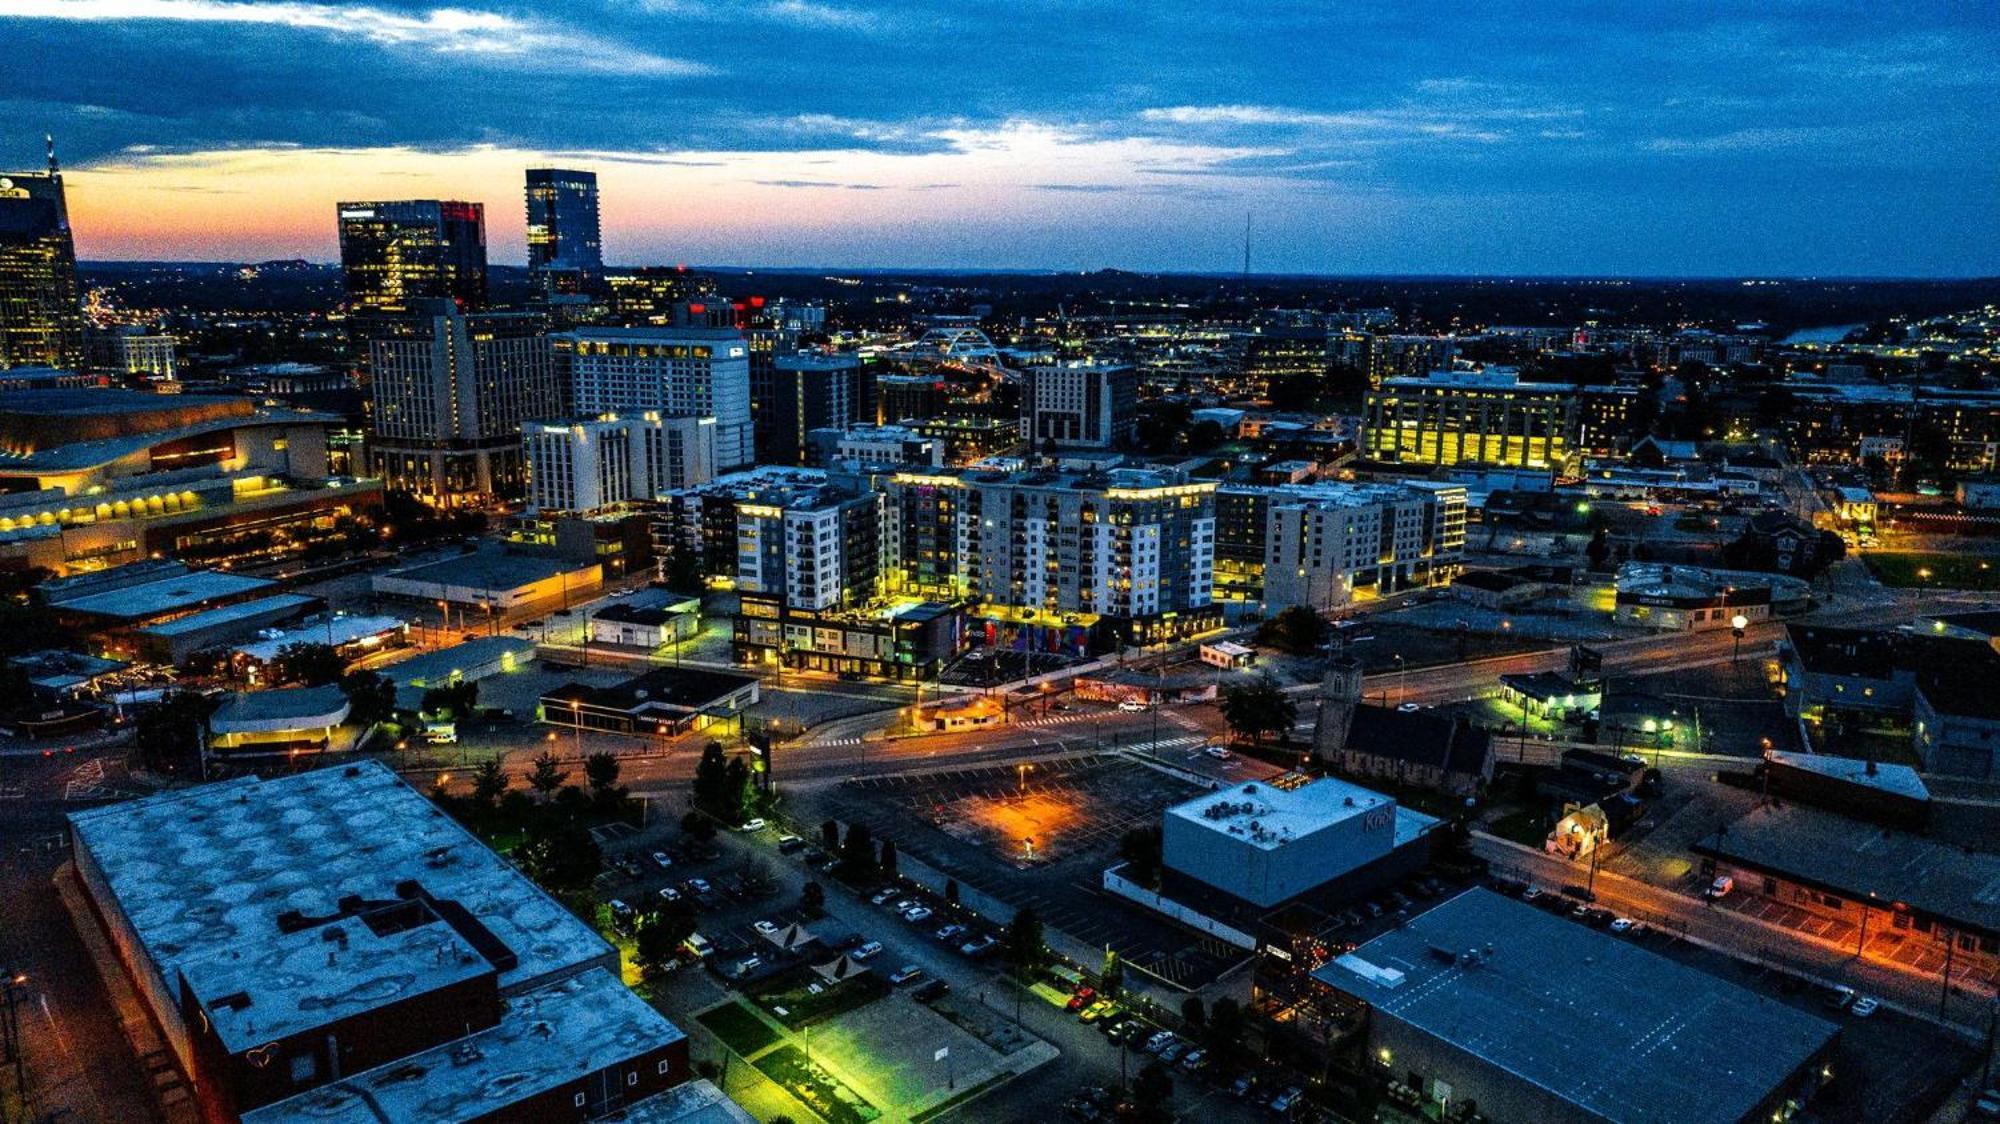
1546	138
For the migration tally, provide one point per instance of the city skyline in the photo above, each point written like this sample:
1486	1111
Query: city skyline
1526	141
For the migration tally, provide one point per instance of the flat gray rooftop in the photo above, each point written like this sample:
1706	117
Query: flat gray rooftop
490	569
165	595
1624	1033
1854	859
696	1102
218	618
545	1038
203	874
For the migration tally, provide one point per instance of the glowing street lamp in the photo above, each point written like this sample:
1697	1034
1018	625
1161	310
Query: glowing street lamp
1737	624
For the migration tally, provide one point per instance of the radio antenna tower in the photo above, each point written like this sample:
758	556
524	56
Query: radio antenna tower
1246	245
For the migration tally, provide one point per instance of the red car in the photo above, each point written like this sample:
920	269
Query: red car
1082	998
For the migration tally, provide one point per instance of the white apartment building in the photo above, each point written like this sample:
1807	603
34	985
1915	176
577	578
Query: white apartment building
593	463
675	372
1316	544
821	547
1087	405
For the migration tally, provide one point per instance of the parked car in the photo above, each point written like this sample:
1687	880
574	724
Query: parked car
1627	926
766	927
867	951
1131	706
661	860
669	894
1194	1060
1219	753
1284	1101
1103	1008
1082	997
881	897
1172	1051
755	823
931	992
1864	1006
949	932
1719	889
1840	997
917	915
790	844
905	974
978	946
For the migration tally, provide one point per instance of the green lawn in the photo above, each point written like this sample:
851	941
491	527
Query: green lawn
790	1000
1522	827
834	1102
1914	569
738	1027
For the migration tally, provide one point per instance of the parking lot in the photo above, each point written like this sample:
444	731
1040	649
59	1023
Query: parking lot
975	824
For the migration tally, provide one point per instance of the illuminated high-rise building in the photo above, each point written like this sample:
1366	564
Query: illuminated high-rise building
650	295
399	253
565	245
41	320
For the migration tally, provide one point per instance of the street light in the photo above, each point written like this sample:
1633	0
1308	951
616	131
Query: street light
1737	624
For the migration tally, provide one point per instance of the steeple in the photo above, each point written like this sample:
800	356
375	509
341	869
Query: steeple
55	169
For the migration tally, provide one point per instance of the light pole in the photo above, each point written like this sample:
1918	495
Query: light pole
576	723
1737	624
1399	678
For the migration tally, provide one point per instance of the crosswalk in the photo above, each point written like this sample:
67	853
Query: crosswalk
839	741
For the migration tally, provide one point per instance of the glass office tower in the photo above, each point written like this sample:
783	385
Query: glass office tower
41	320
565	246
396	254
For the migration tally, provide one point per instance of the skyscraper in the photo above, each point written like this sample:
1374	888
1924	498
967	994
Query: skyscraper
804	391
397	254
565	248
41	321
450	392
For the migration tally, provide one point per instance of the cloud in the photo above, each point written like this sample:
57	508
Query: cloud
445	31
798	13
1755	140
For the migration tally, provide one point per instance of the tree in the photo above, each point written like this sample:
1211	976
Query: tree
1111	978
857	853
1258	708
371	698
1021	941
170	735
1295	392
812	899
307	663
1298	630
888	859
829	836
453	700
561	856
489	781
548	774
600	771
736	786
1152	1091
1598	550
1193	1014
717	791
681	571
1224	1030
1141	848
698	826
660	935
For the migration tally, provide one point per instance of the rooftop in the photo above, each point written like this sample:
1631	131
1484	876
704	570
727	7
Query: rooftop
1268	817
247	711
696	1102
204	873
493	570
1843	856
163	595
442	665
1900	780
242	610
1619	1031
335	630
545	1038
676	687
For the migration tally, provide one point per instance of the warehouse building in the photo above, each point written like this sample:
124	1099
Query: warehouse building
1532	1017
331	946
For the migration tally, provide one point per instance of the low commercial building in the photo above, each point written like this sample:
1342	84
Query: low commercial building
668	700
1669	598
1889	794
351	637
1902	891
1268	842
1486	1000
646	625
121	600
1228	654
494	579
331	946
904	640
466	662
174	641
1956	715
280	721
875	445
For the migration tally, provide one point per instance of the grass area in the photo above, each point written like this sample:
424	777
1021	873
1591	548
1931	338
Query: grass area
1918	570
790	999
738	1027
821	1092
1524	827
